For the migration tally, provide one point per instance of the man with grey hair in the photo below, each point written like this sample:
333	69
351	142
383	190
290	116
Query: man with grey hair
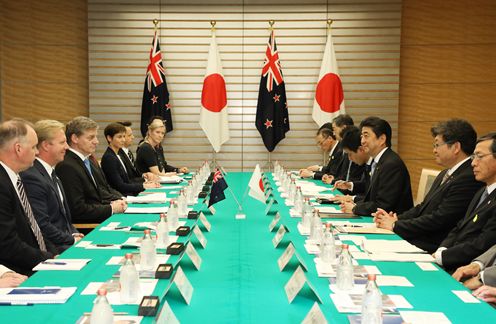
21	240
89	196
45	190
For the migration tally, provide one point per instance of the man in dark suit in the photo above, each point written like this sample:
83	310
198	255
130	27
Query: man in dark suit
347	169
427	224
127	156
327	142
22	244
389	187
45	191
476	232
352	145
89	196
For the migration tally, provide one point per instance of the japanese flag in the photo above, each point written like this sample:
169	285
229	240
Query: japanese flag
256	185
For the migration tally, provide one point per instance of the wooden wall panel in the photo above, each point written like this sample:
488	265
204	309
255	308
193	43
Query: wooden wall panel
44	59
366	37
448	69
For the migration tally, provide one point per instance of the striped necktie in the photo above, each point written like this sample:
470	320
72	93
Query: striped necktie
29	213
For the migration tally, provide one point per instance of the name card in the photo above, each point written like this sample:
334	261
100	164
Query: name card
269	205
279	236
205	222
296	283
183	285
315	316
199	235
212	209
274	222
290	251
268	192
193	256
166	316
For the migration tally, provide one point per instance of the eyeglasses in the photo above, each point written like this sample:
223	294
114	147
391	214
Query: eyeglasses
478	156
436	145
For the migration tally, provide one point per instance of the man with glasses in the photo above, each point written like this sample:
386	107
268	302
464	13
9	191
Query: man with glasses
476	232
327	142
427	224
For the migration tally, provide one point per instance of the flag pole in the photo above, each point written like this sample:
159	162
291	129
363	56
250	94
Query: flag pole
271	28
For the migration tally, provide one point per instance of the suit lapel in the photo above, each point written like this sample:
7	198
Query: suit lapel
475	211
83	167
377	171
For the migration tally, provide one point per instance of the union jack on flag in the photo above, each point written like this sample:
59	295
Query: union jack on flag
272	65
155	70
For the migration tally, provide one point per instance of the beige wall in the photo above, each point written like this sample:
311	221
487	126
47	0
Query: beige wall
44	59
448	66
448	69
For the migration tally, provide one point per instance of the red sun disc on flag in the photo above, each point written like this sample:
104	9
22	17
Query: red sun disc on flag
260	184
214	93
329	94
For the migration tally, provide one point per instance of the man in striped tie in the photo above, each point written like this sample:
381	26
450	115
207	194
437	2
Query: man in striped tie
22	244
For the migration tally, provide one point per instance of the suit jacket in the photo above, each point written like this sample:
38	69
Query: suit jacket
131	170
19	248
334	163
88	202
428	223
148	156
473	235
389	187
117	175
488	259
53	216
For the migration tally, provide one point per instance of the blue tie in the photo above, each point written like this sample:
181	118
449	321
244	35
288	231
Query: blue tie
372	168
88	166
482	198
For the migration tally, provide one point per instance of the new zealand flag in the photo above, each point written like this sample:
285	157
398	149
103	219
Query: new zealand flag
272	119
217	190
155	94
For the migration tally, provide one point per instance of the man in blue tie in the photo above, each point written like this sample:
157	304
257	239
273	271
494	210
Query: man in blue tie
90	198
44	189
476	232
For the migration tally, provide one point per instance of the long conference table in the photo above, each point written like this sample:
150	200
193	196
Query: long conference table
239	280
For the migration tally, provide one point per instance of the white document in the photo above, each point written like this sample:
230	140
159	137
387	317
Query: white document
97	246
328	210
427	266
398	281
119	260
36	295
146	210
402	257
382	246
466	297
171	179
61	264
356	239
414	317
147	286
152	198
114	226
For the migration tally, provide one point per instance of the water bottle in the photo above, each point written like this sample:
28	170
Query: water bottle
129	280
182	204
307	214
191	193
372	302
344	273
162	232
101	312
147	252
172	215
316	228
328	248
298	201
292	191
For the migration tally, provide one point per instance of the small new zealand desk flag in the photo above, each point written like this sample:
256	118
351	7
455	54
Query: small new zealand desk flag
217	191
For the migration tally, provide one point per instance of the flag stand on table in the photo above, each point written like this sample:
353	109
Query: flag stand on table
329	96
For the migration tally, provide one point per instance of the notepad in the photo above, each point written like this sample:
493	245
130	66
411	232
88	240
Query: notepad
146	210
61	264
36	295
172	179
157	197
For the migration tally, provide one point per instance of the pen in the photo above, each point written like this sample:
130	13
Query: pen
104	245
121	227
54	262
15	304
